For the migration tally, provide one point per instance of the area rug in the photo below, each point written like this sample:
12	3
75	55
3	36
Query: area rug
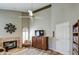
31	51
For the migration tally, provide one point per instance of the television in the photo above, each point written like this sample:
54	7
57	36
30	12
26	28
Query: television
39	32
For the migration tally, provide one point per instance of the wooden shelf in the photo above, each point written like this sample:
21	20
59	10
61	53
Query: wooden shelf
75	34
75	42
76	49
75	25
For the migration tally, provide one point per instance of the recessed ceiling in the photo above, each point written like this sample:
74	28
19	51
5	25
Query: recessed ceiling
22	6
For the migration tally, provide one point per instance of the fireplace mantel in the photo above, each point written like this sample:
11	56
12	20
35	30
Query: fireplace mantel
19	41
10	45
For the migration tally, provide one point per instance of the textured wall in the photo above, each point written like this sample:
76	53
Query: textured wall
10	17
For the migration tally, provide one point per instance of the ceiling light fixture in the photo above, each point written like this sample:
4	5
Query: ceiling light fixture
30	13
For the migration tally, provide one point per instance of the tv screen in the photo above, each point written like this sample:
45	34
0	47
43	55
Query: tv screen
39	32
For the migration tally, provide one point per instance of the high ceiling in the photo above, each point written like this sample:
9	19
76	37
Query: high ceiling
22	6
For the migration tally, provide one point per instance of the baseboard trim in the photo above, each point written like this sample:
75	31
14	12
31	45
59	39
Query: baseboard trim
55	51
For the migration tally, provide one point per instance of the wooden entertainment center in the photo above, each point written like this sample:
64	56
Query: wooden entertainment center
40	42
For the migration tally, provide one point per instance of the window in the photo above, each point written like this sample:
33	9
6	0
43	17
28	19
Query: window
25	34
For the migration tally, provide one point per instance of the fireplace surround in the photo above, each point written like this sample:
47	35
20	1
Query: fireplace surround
10	45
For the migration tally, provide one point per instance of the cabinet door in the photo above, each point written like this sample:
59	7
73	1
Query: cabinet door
39	43
44	43
34	42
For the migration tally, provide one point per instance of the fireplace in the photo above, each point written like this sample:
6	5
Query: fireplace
10	44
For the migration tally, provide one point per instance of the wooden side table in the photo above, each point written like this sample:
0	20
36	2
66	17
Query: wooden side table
1	50
26	45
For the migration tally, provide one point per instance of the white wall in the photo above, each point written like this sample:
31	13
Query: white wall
47	20
50	19
41	21
10	17
62	13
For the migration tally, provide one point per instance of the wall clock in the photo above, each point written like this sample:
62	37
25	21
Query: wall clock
10	28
